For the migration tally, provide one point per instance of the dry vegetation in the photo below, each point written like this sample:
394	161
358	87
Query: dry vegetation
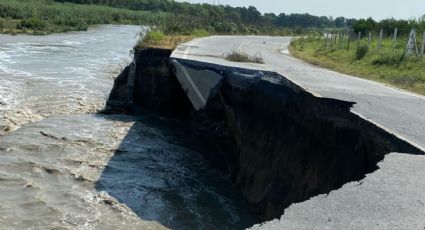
238	56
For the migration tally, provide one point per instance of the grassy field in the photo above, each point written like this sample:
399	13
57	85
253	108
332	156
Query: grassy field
48	16
388	65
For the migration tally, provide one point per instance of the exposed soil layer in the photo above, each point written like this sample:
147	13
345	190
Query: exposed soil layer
279	143
148	83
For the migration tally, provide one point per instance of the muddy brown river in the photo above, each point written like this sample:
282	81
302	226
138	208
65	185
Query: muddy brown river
64	166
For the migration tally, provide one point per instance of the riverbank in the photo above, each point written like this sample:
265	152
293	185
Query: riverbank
389	68
41	17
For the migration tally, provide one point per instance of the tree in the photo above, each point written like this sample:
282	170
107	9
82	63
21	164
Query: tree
365	25
340	22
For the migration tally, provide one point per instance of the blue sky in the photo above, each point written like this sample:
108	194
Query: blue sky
378	9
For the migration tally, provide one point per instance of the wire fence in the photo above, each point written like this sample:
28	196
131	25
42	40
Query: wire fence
409	42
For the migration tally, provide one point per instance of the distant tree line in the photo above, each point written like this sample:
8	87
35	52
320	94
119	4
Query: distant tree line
388	25
224	17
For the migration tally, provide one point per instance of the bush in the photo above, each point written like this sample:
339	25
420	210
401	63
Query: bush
389	59
33	23
236	56
361	51
298	44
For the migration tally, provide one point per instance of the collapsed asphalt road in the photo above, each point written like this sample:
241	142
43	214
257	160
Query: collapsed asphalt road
389	198
397	111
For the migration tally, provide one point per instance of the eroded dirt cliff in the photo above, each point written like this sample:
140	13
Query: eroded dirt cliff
278	143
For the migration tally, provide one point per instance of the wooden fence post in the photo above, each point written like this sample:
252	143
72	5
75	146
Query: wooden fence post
395	38
349	39
370	40
359	36
380	39
335	37
339	39
329	35
423	45
327	39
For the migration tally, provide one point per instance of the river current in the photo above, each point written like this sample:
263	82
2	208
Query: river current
64	166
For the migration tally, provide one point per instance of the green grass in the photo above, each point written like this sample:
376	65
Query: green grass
48	16
200	33
157	39
154	36
387	65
